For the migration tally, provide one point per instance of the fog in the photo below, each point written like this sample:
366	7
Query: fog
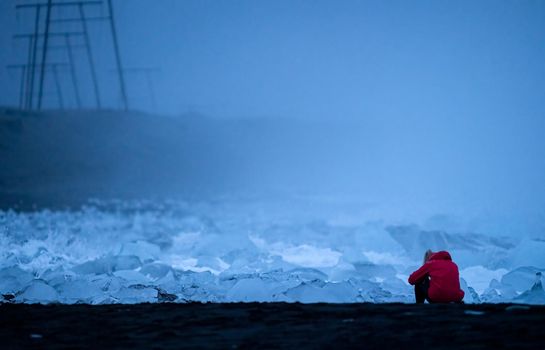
418	108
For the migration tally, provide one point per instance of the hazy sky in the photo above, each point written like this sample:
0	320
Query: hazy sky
321	59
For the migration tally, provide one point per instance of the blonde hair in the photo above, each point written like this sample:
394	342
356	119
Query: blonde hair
427	255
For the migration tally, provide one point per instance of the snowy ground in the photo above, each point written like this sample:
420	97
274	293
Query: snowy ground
231	249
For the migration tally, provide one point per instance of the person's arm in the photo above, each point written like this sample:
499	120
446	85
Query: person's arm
419	274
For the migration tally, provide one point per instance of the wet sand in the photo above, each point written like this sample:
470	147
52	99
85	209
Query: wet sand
273	325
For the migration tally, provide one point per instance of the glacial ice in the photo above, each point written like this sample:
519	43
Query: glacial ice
130	252
38	291
535	295
521	277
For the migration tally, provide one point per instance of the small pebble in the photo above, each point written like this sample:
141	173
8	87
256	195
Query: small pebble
517	308
474	312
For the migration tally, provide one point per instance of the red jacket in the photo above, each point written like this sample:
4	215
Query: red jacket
444	278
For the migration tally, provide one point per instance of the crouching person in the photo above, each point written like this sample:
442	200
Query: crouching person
438	280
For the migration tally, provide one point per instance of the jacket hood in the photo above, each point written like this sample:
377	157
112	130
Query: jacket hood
442	255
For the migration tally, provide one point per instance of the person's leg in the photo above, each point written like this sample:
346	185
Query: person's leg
421	290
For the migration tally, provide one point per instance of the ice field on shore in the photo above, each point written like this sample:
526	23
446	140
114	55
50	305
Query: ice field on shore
234	250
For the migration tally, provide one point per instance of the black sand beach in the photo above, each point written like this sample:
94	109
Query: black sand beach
274	325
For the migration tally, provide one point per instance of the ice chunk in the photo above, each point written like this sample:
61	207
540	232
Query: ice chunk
133	277
137	293
155	270
310	256
521	278
163	296
372	292
505	292
250	289
199	286
108	264
470	296
212	263
479	277
103	299
397	287
342	271
191	277
318	291
145	251
14	279
79	291
535	295
168	283
378	273
38	292
340	292
194	264
126	262
307	274
476	249
491	295
108	283
57	277
307	292
304	255
97	266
